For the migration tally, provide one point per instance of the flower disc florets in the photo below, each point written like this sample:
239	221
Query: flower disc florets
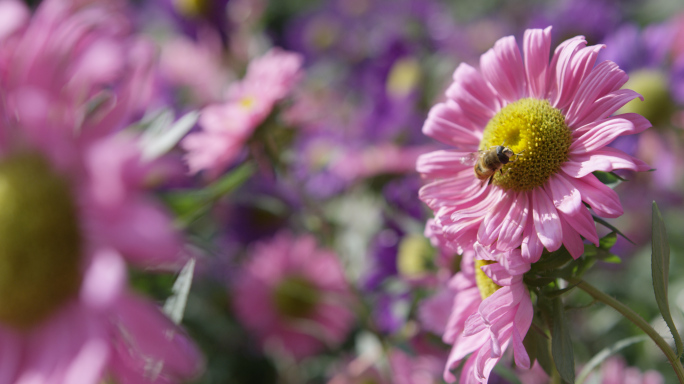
486	285
40	247
537	133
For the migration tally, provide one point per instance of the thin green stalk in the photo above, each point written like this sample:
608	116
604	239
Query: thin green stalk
637	320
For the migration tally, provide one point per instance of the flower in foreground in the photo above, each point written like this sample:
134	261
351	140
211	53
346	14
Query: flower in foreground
226	127
491	309
294	296
74	209
556	117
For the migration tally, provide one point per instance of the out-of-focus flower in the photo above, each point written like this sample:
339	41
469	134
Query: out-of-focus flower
294	296
615	371
422	369
195	67
556	118
75	207
491	309
227	126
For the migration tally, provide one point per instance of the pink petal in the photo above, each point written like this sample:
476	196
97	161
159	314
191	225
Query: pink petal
472	93
11	351
88	365
602	199
522	323
546	220
583	223
598	134
447	123
574	63
514	223
104	280
537	48
531	247
605	159
604	79
565	197
572	240
502	67
491	225
443	163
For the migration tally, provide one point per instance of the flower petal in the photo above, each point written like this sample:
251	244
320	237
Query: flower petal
537	48
443	163
546	220
602	199
598	134
446	122
472	93
565	197
574	62
502	67
605	159
583	223
514	223
572	240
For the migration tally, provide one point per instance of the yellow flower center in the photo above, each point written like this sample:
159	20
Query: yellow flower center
537	133
486	285
40	243
295	297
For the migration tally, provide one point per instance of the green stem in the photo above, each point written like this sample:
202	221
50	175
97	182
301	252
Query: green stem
637	320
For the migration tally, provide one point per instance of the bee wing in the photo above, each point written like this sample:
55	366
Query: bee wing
471	158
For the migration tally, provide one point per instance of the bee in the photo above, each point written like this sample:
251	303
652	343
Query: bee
487	162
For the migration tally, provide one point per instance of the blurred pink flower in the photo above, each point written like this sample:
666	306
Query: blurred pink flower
385	158
294	296
491	309
228	126
195	65
556	118
74	208
615	371
421	369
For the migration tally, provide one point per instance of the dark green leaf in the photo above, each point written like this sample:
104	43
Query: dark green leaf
608	177
611	227
559	292
660	270
507	374
543	355
561	344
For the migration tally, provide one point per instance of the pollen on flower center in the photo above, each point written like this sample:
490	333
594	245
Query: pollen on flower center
40	244
486	286
295	297
537	132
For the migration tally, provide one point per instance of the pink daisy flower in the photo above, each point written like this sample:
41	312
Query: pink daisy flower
74	209
556	117
226	127
294	296
491	308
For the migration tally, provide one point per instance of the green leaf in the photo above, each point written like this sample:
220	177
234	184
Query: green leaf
612	259
611	227
507	374
607	241
608	177
660	270
561	344
605	353
174	307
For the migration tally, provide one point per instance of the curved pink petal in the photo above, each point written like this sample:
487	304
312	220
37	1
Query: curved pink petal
458	191
604	79
502	67
546	220
11	351
522	323
602	199
605	159
537	48
491	225
575	61
472	93
565	196
598	134
443	163
572	240
583	223
447	123
514	223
